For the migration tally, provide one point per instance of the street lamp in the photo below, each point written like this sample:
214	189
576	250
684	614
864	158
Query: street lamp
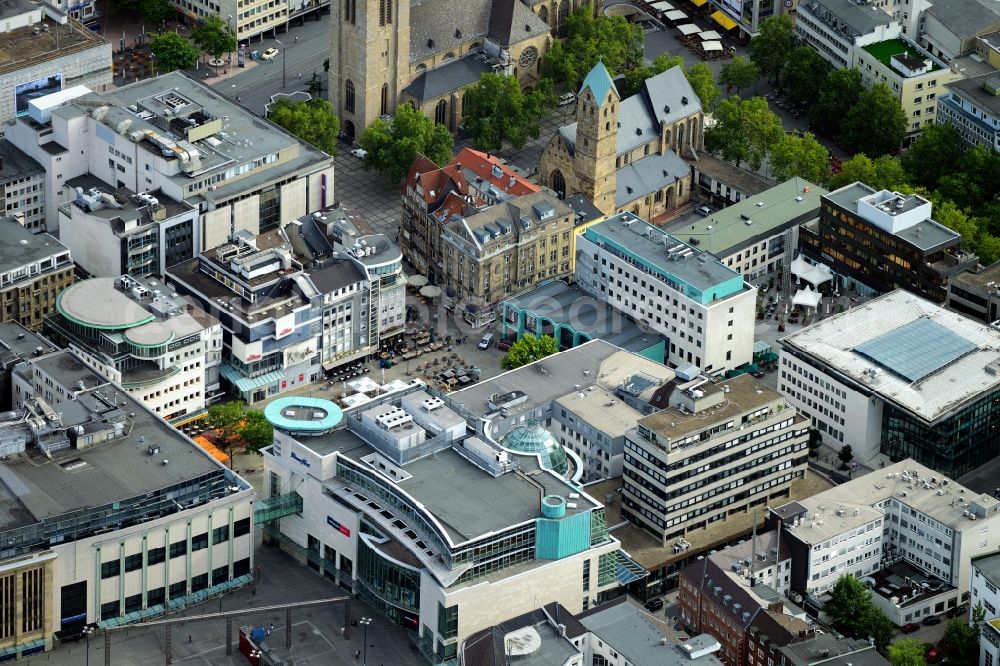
283	54
229	24
87	631
364	622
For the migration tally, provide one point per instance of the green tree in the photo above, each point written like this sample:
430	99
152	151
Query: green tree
615	40
840	93
973	184
254	431
846	455
225	418
157	11
125	6
852	612
933	155
702	81
214	37
907	652
528	350
771	48
960	643
876	124
314	121
393	145
804	74
745	131
171	51
884	173
739	73
635	77
801	156
495	111
951	216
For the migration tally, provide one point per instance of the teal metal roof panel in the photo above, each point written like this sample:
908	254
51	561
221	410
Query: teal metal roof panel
917	349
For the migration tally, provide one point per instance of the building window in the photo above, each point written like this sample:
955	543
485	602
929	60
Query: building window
349	96
447	621
441	112
199	542
220	534
155	556
110	569
385	13
133	562
241	527
178	549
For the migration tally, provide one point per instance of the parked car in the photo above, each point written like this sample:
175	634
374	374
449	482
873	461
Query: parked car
269	54
566	99
909	628
360	153
931	620
958	611
653	604
933	655
486	341
703	210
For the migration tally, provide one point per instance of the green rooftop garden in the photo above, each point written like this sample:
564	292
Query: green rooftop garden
883	51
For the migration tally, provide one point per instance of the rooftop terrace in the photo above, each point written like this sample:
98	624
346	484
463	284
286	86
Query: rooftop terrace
885	50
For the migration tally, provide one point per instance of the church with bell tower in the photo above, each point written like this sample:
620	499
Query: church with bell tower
628	154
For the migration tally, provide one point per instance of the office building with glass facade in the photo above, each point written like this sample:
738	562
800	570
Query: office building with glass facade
899	377
445	533
108	515
877	241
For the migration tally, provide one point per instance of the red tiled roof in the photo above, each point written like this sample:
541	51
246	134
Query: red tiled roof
482	165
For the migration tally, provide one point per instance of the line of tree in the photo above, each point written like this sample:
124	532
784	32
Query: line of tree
238	428
496	111
853	613
839	107
171	51
528	350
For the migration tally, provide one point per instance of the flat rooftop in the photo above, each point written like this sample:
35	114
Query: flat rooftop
15	163
893	481
861	20
885	50
742	180
752	219
21	49
926	235
19	247
972	90
633	633
701	270
944	385
745	395
825	519
901	580
243	136
103	473
18	341
566	303
596	363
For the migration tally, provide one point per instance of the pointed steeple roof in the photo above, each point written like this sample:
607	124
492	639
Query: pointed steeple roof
599	81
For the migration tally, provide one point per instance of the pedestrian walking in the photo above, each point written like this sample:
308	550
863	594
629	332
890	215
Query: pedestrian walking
296	40
189	638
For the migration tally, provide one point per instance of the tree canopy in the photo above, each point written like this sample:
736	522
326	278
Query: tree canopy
528	350
615	40
393	145
237	427
702	81
883	173
745	131
907	652
876	124
739	73
838	96
802	156
933	155
314	121
495	111
804	75
771	48
214	37
852	612
172	51
157	11
634	78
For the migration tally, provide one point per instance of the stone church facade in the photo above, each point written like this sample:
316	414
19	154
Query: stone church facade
628	155
389	52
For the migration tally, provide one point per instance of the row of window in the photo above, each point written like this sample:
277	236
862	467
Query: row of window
157	555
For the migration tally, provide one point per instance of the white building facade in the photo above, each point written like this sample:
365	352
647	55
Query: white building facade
705	309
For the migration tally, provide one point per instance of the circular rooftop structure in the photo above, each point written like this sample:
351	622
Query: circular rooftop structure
532	438
303	415
97	303
151	334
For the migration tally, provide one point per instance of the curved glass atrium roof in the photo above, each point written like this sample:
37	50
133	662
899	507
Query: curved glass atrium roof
532	438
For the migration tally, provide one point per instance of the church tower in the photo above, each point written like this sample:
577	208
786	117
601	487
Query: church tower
369	58
597	138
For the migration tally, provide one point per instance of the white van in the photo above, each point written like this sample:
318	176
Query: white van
486	341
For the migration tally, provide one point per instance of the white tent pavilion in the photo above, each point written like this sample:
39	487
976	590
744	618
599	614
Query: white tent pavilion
813	274
710	35
807	297
355	400
662	6
688	29
711	46
676	15
363	385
